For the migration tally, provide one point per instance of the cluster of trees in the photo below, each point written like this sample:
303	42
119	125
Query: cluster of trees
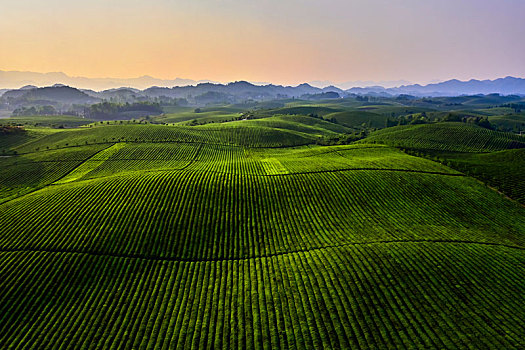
317	116
342	139
420	118
517	107
213	97
321	96
479	121
171	101
10	130
109	110
34	110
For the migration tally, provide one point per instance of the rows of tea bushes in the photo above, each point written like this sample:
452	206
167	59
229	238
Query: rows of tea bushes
217	236
503	170
303	124
203	215
456	137
91	163
25	173
215	134
361	156
227	159
401	295
11	140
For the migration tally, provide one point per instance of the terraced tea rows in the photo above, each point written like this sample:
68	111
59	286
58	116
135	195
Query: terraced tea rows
502	170
297	123
23	174
29	171
249	161
415	295
187	239
204	215
224	134
456	137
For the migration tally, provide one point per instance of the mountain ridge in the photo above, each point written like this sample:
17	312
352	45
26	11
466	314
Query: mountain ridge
247	90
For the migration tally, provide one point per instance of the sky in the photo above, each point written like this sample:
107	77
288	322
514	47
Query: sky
278	41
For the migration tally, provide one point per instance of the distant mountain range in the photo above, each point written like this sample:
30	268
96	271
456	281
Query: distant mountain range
359	83
61	96
15	79
503	86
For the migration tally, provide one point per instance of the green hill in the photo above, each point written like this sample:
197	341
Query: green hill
511	122
357	118
457	137
298	123
248	235
502	170
230	133
301	110
11	140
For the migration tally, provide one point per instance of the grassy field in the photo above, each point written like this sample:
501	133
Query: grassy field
247	234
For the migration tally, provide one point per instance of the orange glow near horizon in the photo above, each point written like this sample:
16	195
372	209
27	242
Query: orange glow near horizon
280	42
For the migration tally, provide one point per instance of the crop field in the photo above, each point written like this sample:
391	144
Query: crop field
23	174
228	134
502	170
248	234
297	123
369	296
11	141
454	137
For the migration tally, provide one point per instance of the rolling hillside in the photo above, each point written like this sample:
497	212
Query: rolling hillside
502	170
456	137
248	235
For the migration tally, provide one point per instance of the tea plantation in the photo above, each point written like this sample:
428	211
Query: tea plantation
251	235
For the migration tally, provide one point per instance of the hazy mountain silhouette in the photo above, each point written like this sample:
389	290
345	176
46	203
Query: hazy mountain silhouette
242	91
57	94
16	79
359	83
504	86
454	87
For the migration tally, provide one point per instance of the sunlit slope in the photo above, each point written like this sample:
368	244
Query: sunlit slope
207	215
41	156
297	123
25	173
457	137
235	133
195	245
